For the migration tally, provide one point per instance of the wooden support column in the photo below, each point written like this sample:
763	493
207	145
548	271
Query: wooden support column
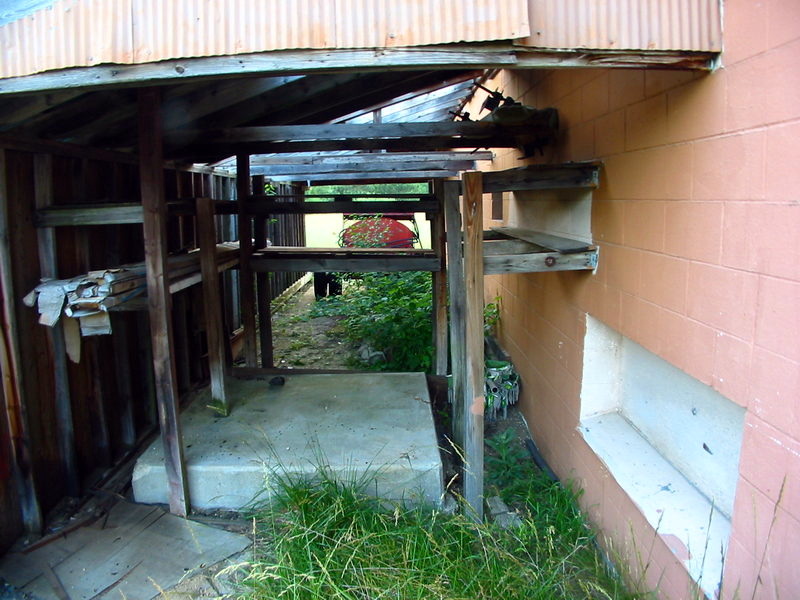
473	317
263	288
215	337
457	292
246	287
151	177
48	267
439	286
10	369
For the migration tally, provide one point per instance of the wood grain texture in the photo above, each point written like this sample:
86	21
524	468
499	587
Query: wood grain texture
438	242
48	266
473	385
10	368
212	303
247	295
151	176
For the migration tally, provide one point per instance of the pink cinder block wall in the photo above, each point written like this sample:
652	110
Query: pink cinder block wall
698	221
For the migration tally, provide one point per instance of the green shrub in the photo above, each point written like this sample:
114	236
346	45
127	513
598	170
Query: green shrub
391	312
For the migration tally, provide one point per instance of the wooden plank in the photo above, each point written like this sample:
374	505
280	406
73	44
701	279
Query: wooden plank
342	131
473	384
539	262
353	264
545	240
441	57
201	151
385	157
438	242
10	368
151	177
264	205
457	295
365	177
544	177
246	286
90	214
263	287
207	237
365	165
48	266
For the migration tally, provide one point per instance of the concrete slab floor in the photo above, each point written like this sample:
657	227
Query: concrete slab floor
377	425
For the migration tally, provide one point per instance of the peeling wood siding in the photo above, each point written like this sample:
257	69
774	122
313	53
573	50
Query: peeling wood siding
626	24
80	33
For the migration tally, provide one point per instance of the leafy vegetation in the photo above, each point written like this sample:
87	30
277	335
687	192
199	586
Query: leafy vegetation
390	189
391	312
331	540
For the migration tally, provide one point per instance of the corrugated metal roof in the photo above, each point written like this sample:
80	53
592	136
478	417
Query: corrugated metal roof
626	24
72	33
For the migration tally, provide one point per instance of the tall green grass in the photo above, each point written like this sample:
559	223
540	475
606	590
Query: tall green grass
329	539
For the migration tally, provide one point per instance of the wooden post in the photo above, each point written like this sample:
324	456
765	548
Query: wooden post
455	282
473	384
246	288
10	369
48	267
207	237
438	243
263	288
151	176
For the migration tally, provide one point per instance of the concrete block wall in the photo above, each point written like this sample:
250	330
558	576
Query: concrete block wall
698	220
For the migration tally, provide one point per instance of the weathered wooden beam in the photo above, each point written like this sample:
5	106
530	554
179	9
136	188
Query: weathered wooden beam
377	176
474	381
264	205
272	262
212	304
438	243
443	57
364	165
246	284
385	157
97	214
546	240
200	151
544	177
457	296
151	178
342	131
48	266
539	262
263	288
11	371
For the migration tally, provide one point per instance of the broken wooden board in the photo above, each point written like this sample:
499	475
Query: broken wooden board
136	552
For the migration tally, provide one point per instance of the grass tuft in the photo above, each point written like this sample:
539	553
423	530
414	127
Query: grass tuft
328	539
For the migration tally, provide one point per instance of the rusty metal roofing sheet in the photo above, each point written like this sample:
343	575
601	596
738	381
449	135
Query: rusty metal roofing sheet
72	33
626	24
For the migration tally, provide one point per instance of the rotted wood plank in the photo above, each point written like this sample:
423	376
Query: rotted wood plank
10	368
546	240
212	304
473	385
48	266
352	264
543	177
151	175
246	284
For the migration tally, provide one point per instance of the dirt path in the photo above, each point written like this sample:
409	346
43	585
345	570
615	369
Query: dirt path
301	341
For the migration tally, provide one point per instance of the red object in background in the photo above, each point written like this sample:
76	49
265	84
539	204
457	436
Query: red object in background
378	232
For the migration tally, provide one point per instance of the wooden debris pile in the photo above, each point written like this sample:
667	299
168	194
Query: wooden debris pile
87	299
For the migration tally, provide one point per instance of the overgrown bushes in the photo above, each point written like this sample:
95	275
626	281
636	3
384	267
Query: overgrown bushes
391	313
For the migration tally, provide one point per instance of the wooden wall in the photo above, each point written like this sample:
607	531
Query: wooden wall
111	392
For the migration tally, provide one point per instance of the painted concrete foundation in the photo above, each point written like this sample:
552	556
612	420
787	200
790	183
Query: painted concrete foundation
377	426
